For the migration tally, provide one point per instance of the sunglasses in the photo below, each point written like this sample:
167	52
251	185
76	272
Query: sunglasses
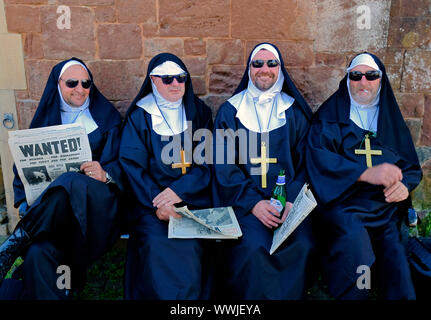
369	75
181	78
72	83
270	63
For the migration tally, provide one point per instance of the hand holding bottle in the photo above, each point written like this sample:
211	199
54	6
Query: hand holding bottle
286	211
266	213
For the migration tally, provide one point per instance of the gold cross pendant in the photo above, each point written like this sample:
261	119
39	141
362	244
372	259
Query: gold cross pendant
368	152
263	160
183	164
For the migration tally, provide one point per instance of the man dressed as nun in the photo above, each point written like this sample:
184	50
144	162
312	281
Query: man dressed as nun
156	154
76	219
270	112
362	165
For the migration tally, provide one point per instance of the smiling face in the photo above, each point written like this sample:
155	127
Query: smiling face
364	91
264	78
171	92
74	96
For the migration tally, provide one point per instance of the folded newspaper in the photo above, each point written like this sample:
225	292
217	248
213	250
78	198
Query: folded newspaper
211	223
303	205
43	154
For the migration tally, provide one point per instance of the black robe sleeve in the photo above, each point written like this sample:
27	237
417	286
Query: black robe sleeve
329	171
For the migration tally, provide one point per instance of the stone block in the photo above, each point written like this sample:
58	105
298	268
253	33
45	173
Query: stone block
194	47
414	126
426	125
199	85
153	47
225	51
391	55
338	26
143	12
410	32
33	46
424	154
21	94
137	11
195	65
78	41
395	8
411	104
282	19
225	79
316	83
23	18
122	106
193	18
421	196
294	53
394	73
37	73
118	80
417	71
74	3
330	59
119	41
10	2
105	14
415	8
25	111
214	102
97	2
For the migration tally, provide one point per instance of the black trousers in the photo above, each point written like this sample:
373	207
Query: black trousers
56	239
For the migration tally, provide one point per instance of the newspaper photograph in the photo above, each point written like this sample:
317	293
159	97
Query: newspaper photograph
302	206
43	154
211	223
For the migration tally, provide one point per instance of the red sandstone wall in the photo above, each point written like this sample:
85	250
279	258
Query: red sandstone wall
117	38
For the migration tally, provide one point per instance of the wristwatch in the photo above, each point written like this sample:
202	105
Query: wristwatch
108	177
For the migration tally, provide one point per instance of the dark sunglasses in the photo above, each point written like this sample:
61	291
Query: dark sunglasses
72	83
181	78
270	63
369	75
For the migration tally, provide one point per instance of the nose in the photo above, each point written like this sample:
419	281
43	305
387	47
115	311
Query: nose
265	67
79	88
364	80
175	82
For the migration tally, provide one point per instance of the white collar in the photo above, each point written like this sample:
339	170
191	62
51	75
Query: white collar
244	104
172	115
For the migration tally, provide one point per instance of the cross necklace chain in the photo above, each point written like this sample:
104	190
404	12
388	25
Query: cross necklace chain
183	164
257	117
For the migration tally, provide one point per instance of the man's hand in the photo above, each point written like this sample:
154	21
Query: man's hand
266	213
385	174
396	192
94	170
163	213
286	211
166	197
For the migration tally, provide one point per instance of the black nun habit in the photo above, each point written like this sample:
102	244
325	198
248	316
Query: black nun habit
357	226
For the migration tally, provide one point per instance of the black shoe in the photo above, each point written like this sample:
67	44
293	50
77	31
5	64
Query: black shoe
11	249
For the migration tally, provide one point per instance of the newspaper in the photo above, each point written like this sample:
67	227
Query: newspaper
211	223
43	154
303	205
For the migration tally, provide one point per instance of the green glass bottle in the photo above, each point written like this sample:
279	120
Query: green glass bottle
279	195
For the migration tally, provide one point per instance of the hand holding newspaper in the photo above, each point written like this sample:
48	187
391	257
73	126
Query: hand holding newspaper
303	205
43	154
211	223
